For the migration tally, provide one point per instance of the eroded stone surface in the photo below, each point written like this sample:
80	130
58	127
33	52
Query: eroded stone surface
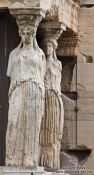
69	131
52	124
65	11
20	170
87	2
26	69
85	83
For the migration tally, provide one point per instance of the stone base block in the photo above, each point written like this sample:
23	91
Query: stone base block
21	171
28	171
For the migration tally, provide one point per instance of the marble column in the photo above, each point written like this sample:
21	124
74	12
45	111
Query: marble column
52	124
26	69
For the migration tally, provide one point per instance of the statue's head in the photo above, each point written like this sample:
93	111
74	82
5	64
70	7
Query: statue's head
28	27
27	33
49	47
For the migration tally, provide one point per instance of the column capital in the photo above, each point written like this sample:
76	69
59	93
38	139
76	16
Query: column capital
68	44
32	15
51	30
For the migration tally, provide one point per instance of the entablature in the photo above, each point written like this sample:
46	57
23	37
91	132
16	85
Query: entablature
65	11
68	44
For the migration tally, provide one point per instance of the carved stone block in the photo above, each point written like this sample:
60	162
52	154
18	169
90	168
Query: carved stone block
4	3
23	173
39	3
21	170
88	1
17	173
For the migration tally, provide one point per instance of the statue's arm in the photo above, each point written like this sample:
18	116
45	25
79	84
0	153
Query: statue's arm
61	124
61	107
12	55
44	64
60	65
9	66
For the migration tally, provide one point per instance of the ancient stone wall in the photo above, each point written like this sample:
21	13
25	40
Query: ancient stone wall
4	3
85	80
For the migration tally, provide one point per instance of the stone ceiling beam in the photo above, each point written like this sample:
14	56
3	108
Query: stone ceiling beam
65	11
17	9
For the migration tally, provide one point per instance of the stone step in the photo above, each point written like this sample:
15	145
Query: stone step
27	171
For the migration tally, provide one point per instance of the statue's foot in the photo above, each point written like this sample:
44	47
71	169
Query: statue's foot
28	162
10	162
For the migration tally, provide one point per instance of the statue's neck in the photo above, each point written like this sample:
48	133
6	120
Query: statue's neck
27	46
50	60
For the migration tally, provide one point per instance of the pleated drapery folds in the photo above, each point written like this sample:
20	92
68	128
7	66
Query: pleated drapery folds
25	116
50	131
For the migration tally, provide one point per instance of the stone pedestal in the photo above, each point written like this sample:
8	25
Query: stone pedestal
28	171
22	171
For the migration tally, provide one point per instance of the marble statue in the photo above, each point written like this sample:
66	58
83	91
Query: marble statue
52	124
26	69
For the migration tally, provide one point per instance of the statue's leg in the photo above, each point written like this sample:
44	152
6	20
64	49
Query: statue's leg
33	111
56	153
12	128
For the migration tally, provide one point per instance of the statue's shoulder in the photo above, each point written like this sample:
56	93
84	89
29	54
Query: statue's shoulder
41	51
59	64
15	51
42	54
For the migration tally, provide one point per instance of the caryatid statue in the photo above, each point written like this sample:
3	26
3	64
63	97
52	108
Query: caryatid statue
52	124
26	69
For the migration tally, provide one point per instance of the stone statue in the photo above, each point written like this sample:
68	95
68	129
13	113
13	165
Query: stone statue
52	124
26	68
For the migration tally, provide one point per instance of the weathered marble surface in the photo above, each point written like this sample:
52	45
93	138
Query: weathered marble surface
27	171
85	82
68	161
87	1
20	170
5	3
69	130
65	11
67	44
26	69
86	27
52	124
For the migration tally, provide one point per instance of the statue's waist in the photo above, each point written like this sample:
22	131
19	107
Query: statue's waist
15	83
32	79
